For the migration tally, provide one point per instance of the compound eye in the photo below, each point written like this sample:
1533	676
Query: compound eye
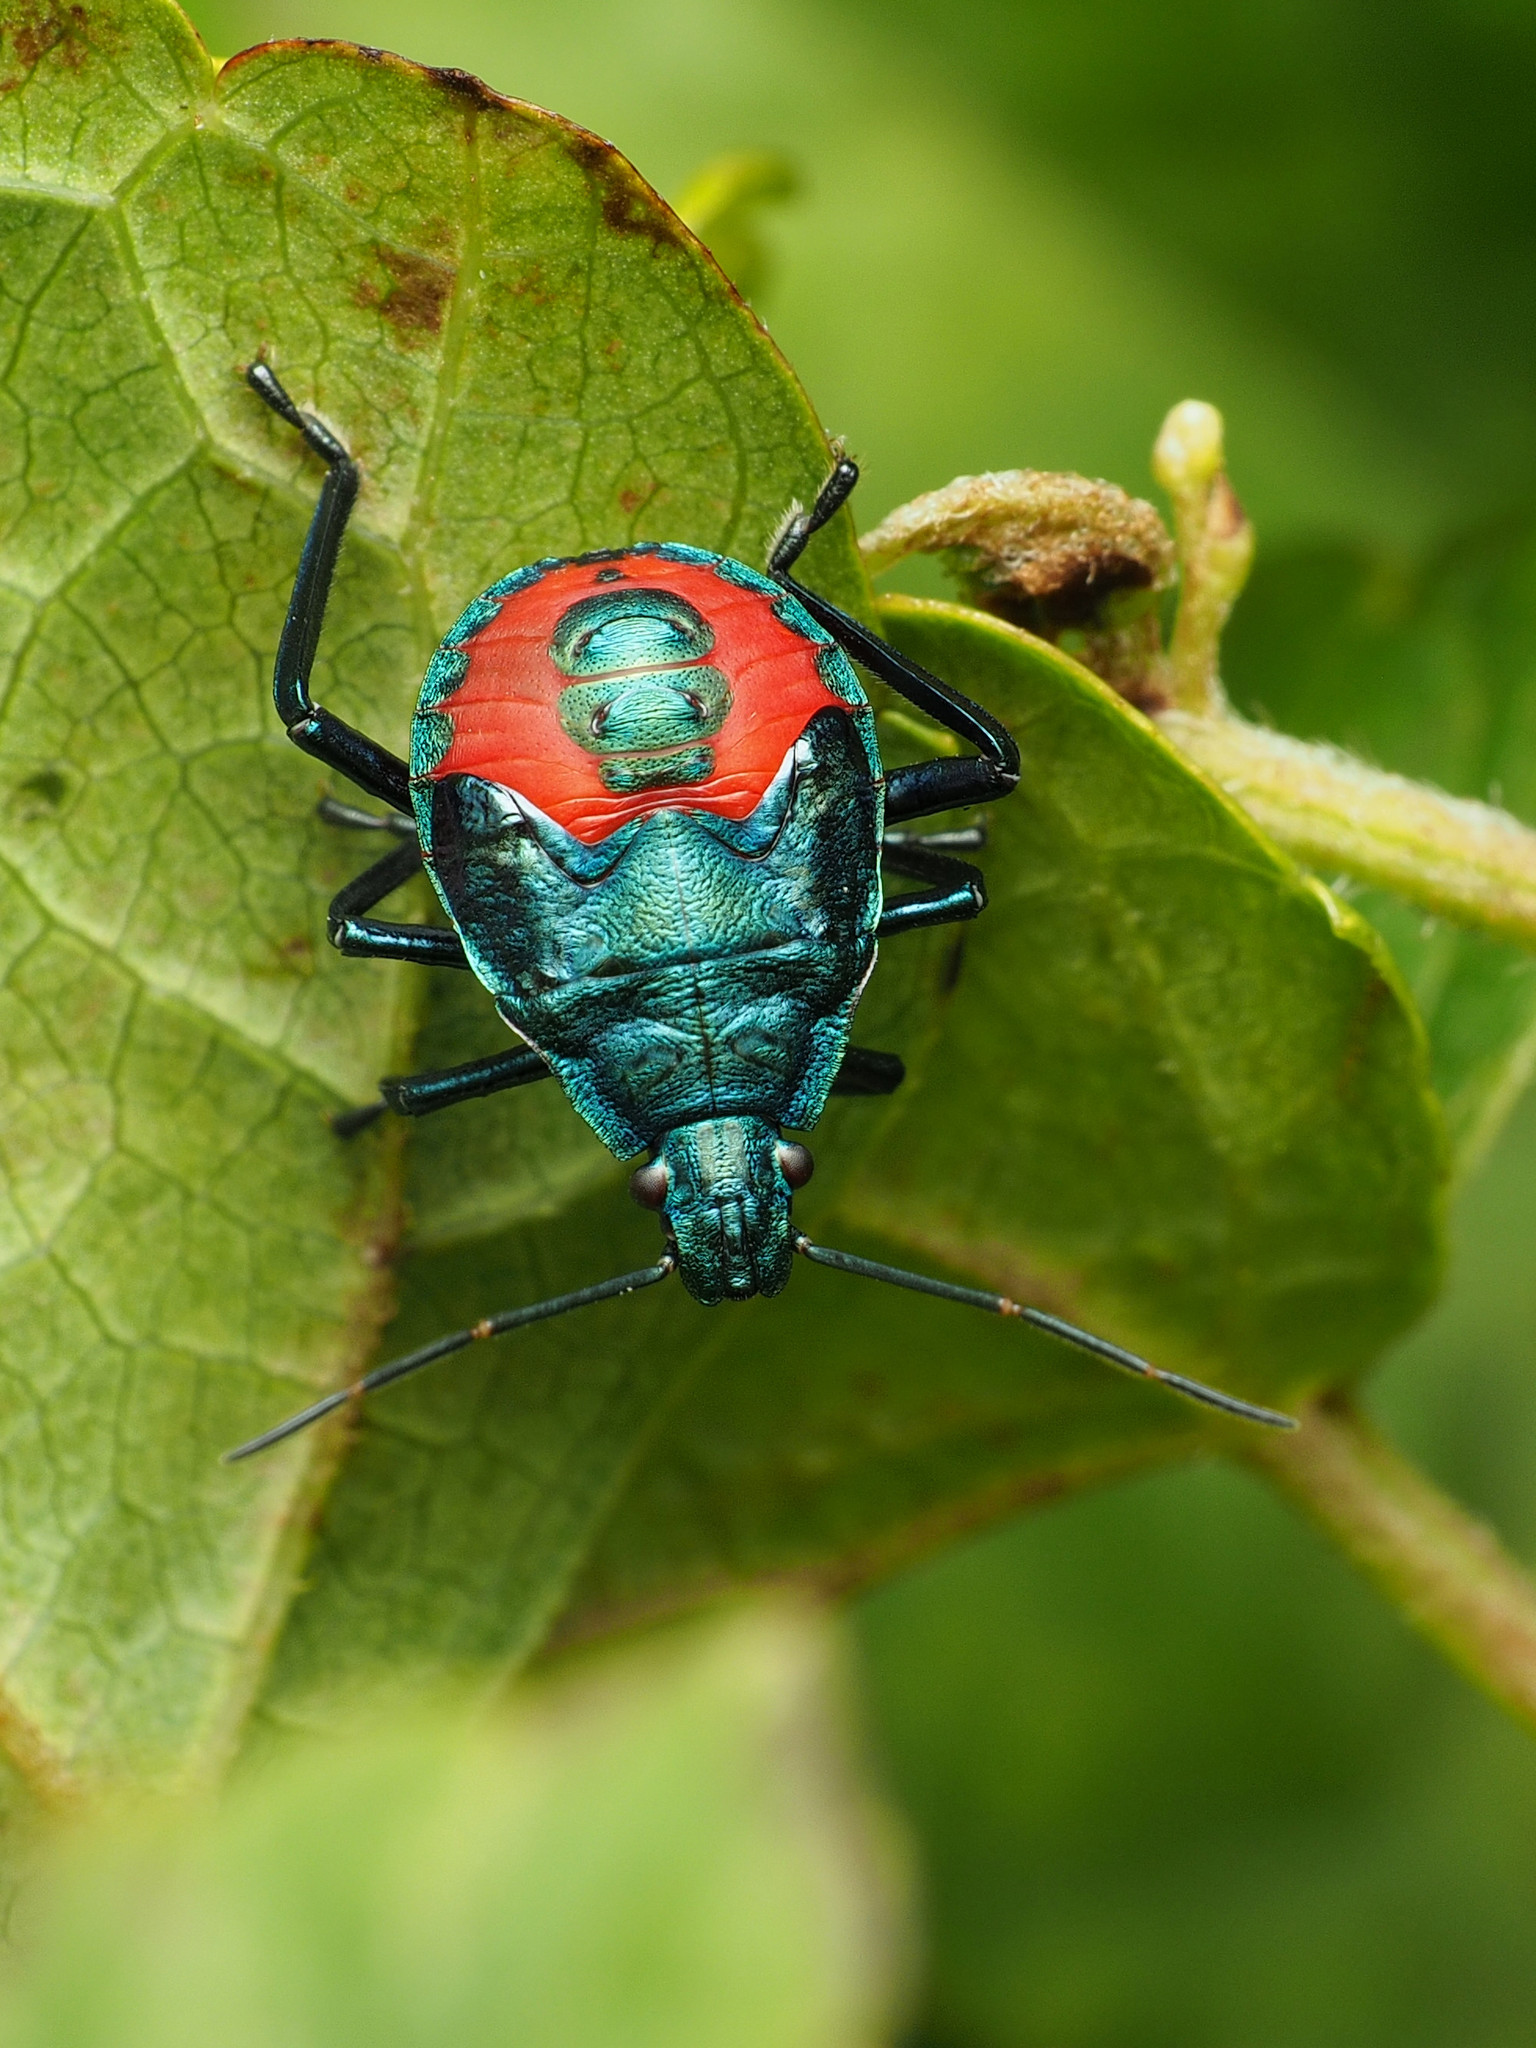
648	1185
795	1163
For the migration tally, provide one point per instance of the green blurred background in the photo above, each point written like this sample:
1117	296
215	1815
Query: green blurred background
1176	1776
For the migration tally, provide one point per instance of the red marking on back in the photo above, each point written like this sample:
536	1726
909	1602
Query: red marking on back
506	728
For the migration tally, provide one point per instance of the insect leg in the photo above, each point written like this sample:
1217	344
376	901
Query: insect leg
441	1087
967	839
928	786
869	1073
310	726
956	890
429	945
993	774
331	811
924	787
789	543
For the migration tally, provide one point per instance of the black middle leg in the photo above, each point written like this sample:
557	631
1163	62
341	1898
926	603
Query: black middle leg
869	1073
955	893
429	945
441	1087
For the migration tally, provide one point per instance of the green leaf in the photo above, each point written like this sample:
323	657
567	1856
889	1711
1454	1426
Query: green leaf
672	1851
1426	669
1166	1084
529	356
1180	1098
472	1495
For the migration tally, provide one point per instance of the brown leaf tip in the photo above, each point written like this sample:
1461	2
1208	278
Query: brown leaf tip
629	206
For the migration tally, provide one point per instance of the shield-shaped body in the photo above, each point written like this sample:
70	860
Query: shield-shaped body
650	798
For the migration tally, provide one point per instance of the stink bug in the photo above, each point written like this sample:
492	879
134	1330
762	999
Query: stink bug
646	785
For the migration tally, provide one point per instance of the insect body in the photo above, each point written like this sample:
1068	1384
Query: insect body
647	788
649	794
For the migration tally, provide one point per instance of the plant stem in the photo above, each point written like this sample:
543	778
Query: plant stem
1443	1569
1452	857
1455	858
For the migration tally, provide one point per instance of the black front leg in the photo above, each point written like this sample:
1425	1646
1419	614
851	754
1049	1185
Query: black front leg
926	787
369	938
930	786
310	726
956	892
441	1087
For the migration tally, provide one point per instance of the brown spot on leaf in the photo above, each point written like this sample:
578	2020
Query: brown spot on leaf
35	31
530	284
416	297
461	83
1374	999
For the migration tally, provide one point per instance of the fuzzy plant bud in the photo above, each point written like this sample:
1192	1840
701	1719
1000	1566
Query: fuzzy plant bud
1077	561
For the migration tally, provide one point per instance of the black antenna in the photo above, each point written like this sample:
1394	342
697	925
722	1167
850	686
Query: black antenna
1000	1305
491	1326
